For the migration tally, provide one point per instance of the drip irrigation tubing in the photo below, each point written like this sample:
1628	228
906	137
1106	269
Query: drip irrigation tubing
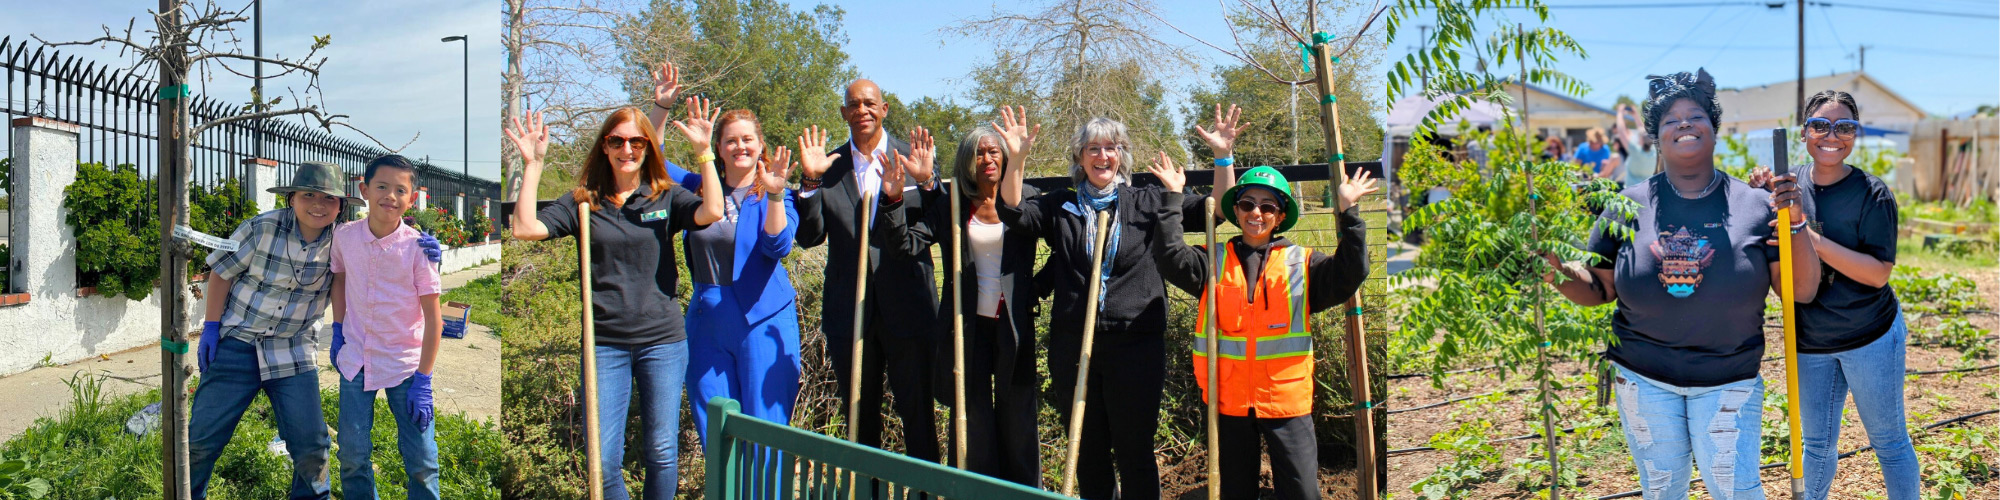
1462	399
1856	451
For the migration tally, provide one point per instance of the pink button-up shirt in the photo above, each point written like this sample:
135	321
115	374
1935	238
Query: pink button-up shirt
384	324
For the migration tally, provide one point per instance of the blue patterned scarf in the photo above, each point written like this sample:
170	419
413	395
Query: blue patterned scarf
1094	201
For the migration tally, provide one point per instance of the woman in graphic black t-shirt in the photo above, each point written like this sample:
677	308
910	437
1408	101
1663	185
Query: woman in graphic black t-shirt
1852	337
1690	285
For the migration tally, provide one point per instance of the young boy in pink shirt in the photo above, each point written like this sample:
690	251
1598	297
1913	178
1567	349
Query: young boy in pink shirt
393	291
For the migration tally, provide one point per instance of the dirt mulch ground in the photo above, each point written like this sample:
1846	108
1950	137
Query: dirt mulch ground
1607	470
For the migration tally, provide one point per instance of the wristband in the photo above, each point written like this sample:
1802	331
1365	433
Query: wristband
705	157
808	183
1225	161
1798	227
657	104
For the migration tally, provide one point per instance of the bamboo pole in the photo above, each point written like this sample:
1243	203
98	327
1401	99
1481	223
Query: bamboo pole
1550	439
593	442
1781	165
1083	360
860	301
1213	395
1357	351
958	327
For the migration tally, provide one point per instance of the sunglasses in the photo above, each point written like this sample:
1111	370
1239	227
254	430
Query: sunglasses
1844	129
1247	206
616	142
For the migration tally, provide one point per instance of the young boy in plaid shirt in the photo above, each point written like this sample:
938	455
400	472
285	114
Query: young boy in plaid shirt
265	300
393	291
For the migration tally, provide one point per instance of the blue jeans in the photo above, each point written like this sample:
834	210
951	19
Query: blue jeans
357	423
227	389
660	371
1874	373
1664	424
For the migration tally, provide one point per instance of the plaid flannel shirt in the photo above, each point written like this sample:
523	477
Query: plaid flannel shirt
280	287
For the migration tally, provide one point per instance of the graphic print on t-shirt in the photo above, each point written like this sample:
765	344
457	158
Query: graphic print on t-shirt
1682	256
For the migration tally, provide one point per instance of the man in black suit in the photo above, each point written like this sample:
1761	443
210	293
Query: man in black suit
901	300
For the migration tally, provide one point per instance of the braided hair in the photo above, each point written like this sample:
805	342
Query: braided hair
1831	96
1662	91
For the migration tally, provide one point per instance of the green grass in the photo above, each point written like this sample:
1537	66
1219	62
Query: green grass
1910	251
84	452
483	295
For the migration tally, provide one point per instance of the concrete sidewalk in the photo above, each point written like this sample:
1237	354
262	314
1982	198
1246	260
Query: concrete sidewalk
467	371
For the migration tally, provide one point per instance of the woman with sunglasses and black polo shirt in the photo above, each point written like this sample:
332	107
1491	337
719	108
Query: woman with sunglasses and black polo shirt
635	211
1852	337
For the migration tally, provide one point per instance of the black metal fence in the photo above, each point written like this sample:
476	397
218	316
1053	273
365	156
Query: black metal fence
117	113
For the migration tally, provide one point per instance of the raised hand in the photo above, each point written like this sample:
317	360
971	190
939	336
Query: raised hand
1172	175
923	160
1357	186
700	123
813	160
1222	138
666	83
892	177
771	181
1014	131
532	137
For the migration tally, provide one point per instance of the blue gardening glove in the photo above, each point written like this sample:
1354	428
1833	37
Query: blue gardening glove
211	334
338	340
431	249
420	400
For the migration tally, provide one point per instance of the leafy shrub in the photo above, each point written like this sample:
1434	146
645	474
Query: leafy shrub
477	225
1958	464
216	210
116	222
449	230
1939	294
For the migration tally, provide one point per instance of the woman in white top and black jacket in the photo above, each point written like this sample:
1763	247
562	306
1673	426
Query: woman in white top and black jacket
997	279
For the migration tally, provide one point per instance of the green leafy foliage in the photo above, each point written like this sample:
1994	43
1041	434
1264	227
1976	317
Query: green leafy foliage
1472	452
1480	270
84	451
1480	29
449	230
1944	294
477	225
1957	464
118	250
216	210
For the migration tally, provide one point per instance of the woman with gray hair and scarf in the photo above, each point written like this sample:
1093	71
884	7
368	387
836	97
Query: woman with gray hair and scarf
1690	281
1128	365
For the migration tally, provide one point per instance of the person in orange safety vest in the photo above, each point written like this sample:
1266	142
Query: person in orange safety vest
1267	288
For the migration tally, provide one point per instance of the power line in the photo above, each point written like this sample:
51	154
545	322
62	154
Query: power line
1980	15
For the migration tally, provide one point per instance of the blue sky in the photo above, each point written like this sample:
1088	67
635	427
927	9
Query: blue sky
1945	64
385	66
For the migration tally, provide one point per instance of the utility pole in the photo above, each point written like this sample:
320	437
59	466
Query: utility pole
1799	105
257	82
1863	50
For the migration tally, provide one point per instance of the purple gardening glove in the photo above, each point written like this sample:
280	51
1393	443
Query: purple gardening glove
338	340
431	250
420	400
211	334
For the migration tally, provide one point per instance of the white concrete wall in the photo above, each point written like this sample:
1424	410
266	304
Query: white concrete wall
462	258
56	325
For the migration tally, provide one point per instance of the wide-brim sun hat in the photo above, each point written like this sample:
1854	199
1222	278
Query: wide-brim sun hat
1269	178
319	177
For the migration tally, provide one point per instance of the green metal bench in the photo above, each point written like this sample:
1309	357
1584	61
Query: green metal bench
752	458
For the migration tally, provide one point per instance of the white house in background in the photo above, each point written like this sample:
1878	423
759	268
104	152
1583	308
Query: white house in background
1772	105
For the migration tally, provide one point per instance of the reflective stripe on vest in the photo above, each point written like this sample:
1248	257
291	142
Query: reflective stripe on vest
1237	348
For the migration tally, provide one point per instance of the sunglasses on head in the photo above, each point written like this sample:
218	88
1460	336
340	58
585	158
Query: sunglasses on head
616	142
1843	128
1248	206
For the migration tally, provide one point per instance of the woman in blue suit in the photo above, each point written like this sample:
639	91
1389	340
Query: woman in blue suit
743	318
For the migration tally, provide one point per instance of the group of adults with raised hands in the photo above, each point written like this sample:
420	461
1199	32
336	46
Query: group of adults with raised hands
878	203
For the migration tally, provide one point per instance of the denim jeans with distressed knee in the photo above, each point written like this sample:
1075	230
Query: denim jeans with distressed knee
1670	430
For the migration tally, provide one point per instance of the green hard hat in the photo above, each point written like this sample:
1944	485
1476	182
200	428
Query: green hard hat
1267	177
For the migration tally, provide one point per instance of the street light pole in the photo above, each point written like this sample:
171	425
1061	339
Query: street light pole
466	162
